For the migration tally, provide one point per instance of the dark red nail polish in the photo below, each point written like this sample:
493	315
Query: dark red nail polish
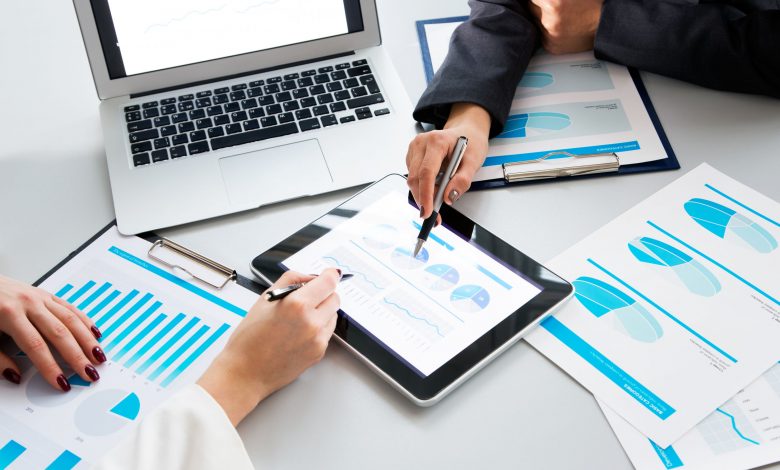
12	376
422	211
63	383
96	333
92	373
99	354
339	271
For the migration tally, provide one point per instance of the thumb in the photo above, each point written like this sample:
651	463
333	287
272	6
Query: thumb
9	369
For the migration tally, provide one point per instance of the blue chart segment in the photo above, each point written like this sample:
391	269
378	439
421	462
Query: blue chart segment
470	298
10	452
137	329
727	429
531	124
107	412
403	258
536	80
441	277
696	278
128	408
724	223
630	318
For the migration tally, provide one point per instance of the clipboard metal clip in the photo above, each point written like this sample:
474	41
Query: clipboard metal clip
575	165
223	271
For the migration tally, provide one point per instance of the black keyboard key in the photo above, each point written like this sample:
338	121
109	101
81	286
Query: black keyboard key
271	89
325	69
254	92
359	62
337	106
365	101
303	114
291	76
198	147
366	79
186	127
274	80
373	88
283	96
343	66
257	83
196	136
141	159
150	104
189	97
240	86
363	113
214	110
320	110
254	136
342	95
255	113
221	99
168	101
167	131
268	121
141	136
266	100
338	75
131	108
186	106
249	104
291	106
381	112
180	139
285	117
251	125
162	143
233	128
197	114
237	96
204	123
300	93
306	81
139	125
239	116
357	71
203	102
203	94
177	118
325	99
133	116
289	85
359	91
324	78
309	124
308	102
215	132
168	109
178	152
160	155
334	86
347	119
141	147
329	120
221	91
273	109
317	90
232	107
351	83
308	73
221	120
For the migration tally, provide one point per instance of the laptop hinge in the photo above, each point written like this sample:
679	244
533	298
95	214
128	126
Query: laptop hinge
238	75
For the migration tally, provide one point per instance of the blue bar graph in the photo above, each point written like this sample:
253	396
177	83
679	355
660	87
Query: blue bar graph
88	301
103	303
116	308
168	344
140	336
76	295
65	461
129	313
135	324
179	352
156	339
65	289
195	355
10	452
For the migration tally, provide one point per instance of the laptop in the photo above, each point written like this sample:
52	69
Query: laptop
210	107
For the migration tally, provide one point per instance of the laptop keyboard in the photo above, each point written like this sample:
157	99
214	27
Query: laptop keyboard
192	124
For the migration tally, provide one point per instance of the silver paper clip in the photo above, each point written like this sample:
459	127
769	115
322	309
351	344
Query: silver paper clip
228	273
542	168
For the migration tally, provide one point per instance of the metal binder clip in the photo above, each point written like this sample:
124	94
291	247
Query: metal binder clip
575	165
229	274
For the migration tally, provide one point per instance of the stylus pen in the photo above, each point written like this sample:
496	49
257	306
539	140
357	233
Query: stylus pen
449	173
282	292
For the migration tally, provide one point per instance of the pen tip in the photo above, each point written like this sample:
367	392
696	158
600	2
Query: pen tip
418	247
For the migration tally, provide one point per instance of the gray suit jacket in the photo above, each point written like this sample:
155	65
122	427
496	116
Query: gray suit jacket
724	44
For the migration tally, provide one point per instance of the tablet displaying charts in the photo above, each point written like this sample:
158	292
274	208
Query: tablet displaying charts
423	322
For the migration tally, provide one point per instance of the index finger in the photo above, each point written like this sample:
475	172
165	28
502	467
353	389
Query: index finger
435	154
319	288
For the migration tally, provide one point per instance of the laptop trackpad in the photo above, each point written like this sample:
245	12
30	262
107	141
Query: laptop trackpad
276	174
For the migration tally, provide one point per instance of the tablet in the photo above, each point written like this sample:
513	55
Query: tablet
424	323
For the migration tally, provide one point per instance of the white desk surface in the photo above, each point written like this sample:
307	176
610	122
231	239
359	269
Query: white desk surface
519	412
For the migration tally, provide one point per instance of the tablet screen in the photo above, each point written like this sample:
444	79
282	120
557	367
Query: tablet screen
424	310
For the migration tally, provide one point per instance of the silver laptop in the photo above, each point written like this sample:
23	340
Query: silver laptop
210	107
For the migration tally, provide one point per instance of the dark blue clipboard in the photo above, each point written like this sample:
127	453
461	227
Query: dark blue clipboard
669	163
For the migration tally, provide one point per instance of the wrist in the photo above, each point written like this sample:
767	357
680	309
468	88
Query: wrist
471	116
236	392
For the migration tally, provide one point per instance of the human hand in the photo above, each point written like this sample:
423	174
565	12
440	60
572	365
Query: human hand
567	25
31	317
274	343
428	152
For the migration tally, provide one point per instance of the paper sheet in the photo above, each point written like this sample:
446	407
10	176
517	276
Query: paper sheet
159	333
676	305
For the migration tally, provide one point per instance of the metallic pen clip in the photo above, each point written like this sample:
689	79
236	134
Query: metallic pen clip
229	274
539	168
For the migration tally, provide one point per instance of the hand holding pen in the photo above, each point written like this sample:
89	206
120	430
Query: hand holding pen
282	292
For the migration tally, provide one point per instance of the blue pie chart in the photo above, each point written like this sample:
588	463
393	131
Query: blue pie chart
470	298
441	277
533	124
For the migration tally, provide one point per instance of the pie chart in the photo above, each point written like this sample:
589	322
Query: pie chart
533	124
404	258
381	237
728	224
107	412
441	277
470	298
536	80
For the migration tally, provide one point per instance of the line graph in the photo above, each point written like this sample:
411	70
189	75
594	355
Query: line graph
192	13
727	429
411	315
734	427
367	279
415	316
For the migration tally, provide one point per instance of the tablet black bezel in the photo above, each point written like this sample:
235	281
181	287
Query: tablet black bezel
553	290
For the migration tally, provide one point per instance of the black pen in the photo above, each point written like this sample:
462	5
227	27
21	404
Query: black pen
449	173
282	292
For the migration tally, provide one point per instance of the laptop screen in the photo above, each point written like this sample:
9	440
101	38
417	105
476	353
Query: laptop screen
140	36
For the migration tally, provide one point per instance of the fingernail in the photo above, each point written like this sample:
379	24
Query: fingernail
63	383
340	273
12	376
96	333
99	354
92	373
422	211
454	195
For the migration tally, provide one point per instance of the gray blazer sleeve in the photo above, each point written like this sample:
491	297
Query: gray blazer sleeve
727	45
487	56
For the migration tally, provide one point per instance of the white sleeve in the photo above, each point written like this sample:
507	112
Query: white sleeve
189	431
